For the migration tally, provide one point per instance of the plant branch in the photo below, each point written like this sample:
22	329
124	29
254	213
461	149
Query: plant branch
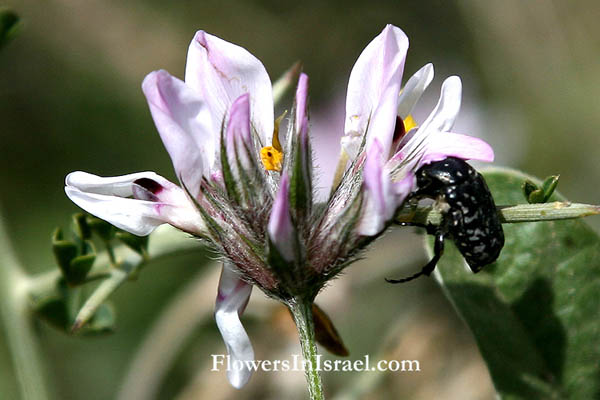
509	214
18	324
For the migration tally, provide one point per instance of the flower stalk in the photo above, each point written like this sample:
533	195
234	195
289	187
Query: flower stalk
301	310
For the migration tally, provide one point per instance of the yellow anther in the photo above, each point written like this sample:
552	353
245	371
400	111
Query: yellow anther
409	123
271	158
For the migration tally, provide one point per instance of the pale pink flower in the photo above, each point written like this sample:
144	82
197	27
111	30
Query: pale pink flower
249	193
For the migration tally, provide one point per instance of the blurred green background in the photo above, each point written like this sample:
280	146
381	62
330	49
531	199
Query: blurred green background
70	99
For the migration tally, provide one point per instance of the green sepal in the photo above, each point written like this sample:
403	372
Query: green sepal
81	228
549	186
282	268
10	23
139	244
101	228
228	178
300	179
214	229
64	251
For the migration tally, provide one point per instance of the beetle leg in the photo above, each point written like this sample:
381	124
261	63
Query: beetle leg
438	250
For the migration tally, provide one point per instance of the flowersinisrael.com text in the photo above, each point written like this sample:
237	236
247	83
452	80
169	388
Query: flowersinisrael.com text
296	363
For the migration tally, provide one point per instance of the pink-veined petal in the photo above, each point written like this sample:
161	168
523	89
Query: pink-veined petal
136	203
414	88
232	297
280	227
221	72
448	144
185	126
376	75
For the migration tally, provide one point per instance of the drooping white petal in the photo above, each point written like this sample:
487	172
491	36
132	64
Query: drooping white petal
280	228
232	298
414	88
136	203
185	126
374	86
221	72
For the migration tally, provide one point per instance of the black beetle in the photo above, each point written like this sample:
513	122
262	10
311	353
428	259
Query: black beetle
469	214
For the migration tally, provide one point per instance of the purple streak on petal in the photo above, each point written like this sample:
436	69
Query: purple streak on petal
184	124
301	101
221	72
448	144
280	228
109	199
232	297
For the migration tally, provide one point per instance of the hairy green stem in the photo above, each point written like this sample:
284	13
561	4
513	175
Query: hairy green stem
302	312
509	214
18	324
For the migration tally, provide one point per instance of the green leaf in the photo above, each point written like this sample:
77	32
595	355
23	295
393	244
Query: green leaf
528	188
81	227
535	313
64	251
80	267
101	228
549	186
9	25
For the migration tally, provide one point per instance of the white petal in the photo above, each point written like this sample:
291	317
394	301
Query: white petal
109	199
414	88
221	72
441	119
185	126
443	116
232	298
377	73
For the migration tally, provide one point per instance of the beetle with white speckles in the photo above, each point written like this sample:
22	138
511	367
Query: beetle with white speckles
469	214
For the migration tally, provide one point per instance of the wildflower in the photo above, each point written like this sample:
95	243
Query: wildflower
247	189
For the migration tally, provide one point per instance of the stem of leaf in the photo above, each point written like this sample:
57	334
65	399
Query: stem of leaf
301	310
